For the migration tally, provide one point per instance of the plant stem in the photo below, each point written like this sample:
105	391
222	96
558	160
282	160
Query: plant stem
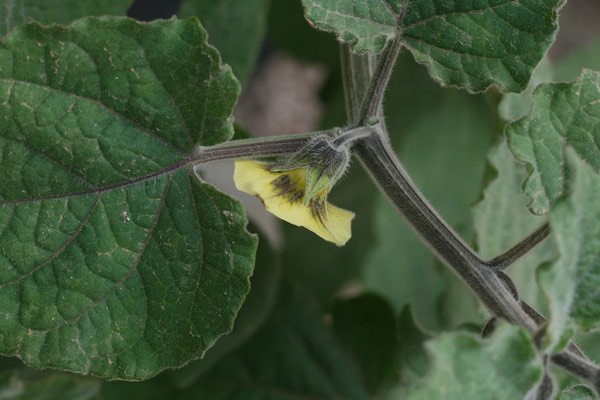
509	257
252	148
485	278
385	66
392	179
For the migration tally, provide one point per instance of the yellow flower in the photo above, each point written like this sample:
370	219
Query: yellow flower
284	194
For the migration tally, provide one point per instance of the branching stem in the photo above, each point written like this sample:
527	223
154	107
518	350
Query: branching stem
485	278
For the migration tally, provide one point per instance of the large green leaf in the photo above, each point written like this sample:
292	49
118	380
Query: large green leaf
471	45
16	12
571	283
563	114
235	27
504	366
477	44
114	260
293	356
256	309
502	219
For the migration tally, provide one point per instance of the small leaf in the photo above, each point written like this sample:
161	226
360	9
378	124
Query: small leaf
235	27
115	260
577	392
563	114
501	219
471	45
16	12
571	283
504	366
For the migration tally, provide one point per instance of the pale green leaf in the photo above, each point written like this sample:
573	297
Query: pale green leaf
501	220
563	114
16	12
505	366
571	283
577	392
115	260
471	45
235	27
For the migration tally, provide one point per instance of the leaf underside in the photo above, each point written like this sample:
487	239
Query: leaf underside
504	366
563	114
571	283
114	260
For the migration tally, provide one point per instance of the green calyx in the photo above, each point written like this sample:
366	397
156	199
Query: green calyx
324	160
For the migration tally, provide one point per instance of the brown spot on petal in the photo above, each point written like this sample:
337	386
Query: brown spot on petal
288	189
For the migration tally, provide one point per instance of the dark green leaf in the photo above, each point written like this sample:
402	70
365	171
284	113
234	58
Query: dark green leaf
516	105
257	307
475	45
235	27
472	45
115	261
504	366
366	325
293	356
571	283
563	114
289	31
16	12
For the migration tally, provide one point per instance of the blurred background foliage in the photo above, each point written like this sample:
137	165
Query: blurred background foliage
327	322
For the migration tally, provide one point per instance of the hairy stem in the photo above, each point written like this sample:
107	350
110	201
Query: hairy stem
385	65
392	179
252	148
509	257
485	278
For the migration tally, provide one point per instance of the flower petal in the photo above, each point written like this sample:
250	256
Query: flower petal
282	193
